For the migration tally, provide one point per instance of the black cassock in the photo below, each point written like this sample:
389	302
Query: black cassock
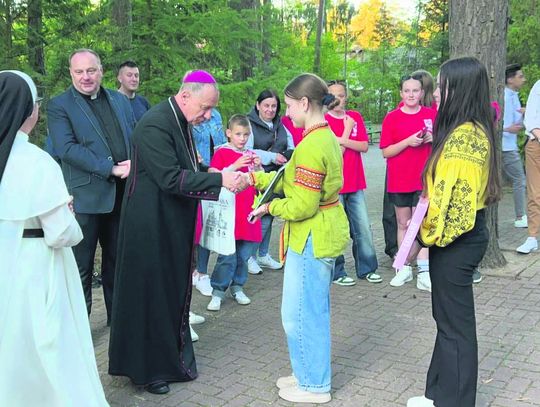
150	338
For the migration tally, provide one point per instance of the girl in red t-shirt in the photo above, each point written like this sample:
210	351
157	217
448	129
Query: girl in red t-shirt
231	271
349	128
406	144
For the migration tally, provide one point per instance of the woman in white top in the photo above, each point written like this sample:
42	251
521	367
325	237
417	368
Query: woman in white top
46	352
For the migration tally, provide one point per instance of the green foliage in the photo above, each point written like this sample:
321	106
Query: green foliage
524	40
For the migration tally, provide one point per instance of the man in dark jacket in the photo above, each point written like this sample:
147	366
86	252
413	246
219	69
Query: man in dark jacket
90	129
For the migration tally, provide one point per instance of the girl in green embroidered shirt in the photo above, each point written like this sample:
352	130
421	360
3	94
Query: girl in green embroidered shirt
316	232
460	180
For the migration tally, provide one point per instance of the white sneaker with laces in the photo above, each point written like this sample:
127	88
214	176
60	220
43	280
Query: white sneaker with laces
521	223
194	336
253	266
268	262
241	298
402	276
195	319
420	401
530	245
214	304
423	281
203	284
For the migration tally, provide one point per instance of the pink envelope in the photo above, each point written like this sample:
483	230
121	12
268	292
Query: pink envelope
410	235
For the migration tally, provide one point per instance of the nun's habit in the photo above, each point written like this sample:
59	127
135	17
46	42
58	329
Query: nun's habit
46	352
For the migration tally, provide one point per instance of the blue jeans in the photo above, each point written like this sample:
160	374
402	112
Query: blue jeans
513	169
305	314
232	270
266	225
365	259
202	259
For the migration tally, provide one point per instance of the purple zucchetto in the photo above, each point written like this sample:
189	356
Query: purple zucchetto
198	77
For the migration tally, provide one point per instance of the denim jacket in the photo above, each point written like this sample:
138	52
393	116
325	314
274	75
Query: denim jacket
206	131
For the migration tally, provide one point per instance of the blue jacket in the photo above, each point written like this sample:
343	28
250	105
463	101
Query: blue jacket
209	134
79	142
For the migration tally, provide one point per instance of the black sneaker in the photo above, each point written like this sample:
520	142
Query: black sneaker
476	276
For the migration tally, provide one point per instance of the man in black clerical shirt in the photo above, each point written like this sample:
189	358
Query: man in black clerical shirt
90	129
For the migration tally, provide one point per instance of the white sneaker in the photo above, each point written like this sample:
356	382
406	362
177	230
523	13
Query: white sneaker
214	304
268	262
521	223
195	319
297	395
203	284
530	245
286	381
402	276
420	401
253	266
423	281
194	336
241	298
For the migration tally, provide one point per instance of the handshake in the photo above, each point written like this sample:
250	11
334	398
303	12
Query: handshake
235	181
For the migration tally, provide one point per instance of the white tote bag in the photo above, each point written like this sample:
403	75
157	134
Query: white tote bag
218	224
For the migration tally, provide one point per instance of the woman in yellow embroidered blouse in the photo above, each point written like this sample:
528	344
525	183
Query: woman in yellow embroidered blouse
460	180
316	232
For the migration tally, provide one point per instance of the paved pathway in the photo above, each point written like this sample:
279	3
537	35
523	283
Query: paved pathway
382	336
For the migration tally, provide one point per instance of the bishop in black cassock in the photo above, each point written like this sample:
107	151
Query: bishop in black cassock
150	340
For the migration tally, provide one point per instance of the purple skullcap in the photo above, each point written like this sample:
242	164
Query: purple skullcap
198	77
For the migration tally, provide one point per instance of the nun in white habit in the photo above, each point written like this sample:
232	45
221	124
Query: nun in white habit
46	352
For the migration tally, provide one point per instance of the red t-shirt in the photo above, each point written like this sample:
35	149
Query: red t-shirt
353	169
243	230
297	132
404	171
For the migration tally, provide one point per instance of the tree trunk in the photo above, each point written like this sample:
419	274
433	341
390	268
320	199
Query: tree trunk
266	27
7	39
34	41
478	28
248	48
147	62
320	22
121	18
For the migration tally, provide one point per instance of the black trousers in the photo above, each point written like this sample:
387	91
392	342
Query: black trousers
389	224
453	372
103	228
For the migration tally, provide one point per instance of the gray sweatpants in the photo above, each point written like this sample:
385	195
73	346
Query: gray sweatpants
513	169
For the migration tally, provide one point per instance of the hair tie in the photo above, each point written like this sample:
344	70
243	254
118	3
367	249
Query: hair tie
327	99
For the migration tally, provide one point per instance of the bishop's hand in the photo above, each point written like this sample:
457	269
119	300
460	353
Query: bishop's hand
234	181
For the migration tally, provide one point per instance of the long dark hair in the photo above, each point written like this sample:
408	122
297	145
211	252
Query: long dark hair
464	88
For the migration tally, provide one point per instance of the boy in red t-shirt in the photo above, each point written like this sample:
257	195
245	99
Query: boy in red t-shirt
348	126
230	272
406	144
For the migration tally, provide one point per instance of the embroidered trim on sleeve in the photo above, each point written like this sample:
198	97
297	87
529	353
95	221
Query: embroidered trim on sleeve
308	178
